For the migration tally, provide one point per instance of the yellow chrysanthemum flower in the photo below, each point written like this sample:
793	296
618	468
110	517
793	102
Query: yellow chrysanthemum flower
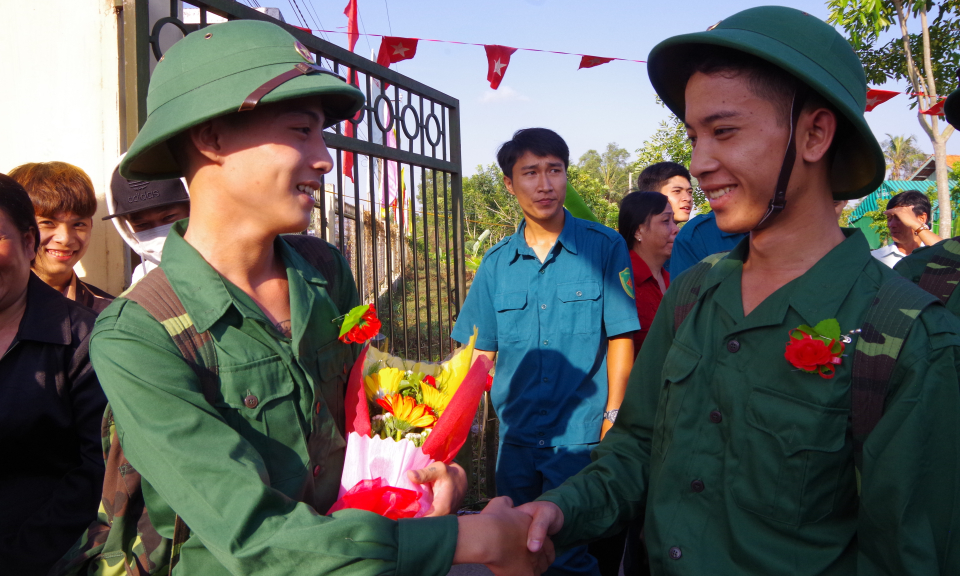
454	371
434	398
383	383
407	411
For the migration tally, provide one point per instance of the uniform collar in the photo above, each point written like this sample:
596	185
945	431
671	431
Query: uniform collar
46	318
640	269
567	238
201	289
817	294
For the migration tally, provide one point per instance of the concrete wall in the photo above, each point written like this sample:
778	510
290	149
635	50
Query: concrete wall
60	65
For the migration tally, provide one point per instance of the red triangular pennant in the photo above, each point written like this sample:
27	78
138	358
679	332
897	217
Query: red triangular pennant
591	61
498	58
353	31
876	97
394	49
935	110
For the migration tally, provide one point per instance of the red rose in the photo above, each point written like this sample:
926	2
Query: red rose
366	328
812	355
430	380
807	353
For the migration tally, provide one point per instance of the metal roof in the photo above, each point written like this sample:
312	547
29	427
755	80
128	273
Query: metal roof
892	187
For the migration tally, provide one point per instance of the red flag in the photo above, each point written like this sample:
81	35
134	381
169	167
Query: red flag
353	31
348	128
876	97
935	110
393	49
498	58
591	61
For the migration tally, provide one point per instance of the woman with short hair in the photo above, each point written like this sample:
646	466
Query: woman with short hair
64	202
51	404
646	223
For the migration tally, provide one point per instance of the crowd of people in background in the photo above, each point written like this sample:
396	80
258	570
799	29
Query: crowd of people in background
650	419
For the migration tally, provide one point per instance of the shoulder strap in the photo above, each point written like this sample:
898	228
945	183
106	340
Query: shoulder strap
319	254
688	287
942	273
885	327
157	297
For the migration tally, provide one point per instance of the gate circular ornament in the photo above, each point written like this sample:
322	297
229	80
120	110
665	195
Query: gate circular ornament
416	121
426	129
376	112
158	26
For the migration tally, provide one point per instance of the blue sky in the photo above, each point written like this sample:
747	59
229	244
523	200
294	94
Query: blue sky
589	108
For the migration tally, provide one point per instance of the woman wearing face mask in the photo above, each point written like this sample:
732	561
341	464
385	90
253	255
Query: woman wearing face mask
143	213
65	202
647	224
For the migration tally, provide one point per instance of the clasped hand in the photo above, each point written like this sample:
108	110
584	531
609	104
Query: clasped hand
498	536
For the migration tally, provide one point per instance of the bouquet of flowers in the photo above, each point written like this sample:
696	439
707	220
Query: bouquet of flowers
402	416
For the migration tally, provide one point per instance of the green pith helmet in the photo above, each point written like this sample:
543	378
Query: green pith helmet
951	108
810	50
222	69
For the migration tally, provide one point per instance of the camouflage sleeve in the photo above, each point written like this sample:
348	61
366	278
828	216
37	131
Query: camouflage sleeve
910	496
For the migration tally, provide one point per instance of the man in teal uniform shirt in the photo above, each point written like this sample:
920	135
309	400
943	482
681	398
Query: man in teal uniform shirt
555	302
239	109
744	463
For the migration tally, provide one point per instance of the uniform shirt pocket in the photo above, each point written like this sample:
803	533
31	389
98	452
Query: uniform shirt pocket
259	402
792	456
679	364
579	307
509	306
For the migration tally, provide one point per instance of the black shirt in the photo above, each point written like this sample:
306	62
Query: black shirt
51	406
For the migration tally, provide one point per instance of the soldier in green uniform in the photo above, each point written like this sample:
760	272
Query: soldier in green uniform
251	465
937	268
738	446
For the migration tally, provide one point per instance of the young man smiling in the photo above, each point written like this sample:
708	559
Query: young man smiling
249	457
554	302
741	451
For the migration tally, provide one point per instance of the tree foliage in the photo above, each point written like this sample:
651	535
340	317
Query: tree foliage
903	157
610	168
669	144
927	59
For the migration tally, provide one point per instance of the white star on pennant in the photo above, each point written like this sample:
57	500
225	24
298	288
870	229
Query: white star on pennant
871	102
498	67
400	49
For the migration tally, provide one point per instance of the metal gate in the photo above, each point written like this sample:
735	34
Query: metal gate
396	213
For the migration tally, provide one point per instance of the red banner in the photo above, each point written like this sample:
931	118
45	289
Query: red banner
591	61
394	49
876	97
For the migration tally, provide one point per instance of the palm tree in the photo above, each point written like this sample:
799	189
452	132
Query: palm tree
903	157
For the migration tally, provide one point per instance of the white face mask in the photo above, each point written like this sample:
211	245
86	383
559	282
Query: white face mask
150	242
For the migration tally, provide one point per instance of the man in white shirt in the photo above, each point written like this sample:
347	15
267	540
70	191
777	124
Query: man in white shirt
907	216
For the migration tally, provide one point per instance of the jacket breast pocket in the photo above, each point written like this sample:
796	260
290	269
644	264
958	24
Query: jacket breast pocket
510	309
260	403
679	364
580	311
792	456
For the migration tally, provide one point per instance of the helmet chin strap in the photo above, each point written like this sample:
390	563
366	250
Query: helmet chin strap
779	201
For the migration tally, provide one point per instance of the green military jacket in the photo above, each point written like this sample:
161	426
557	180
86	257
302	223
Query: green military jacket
744	464
912	266
252	474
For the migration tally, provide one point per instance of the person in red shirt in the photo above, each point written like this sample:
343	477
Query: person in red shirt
647	224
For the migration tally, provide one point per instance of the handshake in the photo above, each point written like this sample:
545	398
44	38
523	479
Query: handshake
509	541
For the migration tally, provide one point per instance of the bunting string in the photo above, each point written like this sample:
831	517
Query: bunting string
478	44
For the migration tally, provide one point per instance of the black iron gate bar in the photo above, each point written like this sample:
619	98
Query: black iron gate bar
427	126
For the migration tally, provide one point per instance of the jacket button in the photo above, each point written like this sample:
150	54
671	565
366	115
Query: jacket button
251	401
675	553
716	417
579	293
697	485
316	470
733	346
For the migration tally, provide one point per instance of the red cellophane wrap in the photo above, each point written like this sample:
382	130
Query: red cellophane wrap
374	473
